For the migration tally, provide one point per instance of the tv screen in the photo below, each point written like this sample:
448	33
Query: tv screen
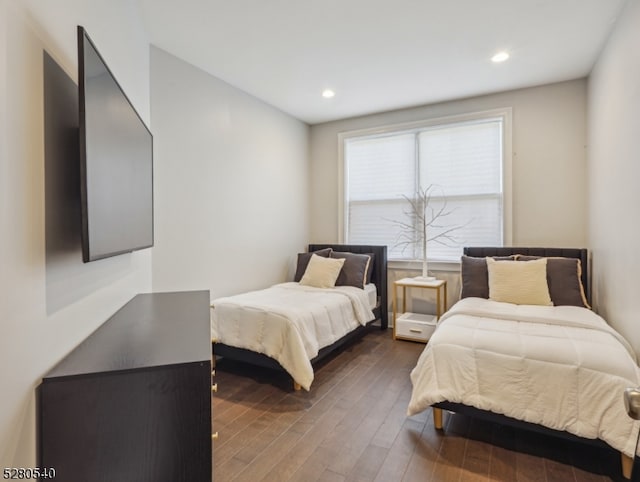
116	162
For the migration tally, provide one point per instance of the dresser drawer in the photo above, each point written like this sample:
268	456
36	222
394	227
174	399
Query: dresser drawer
415	326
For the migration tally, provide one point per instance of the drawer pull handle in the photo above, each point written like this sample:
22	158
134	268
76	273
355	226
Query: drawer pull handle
414	330
214	387
214	436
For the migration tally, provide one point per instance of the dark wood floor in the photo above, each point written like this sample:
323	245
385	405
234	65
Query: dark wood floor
352	426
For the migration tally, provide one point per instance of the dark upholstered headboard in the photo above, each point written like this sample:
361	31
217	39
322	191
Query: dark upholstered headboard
580	253
378	277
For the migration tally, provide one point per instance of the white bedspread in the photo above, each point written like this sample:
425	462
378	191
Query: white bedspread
289	322
562	367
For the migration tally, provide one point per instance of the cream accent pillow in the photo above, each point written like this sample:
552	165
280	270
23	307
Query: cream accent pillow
519	282
322	272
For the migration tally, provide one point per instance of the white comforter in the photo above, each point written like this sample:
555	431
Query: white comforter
289	322
562	367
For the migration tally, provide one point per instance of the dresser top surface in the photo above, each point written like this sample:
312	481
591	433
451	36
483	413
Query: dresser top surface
151	330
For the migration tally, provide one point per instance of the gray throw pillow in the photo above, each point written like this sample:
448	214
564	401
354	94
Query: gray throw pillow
563	278
354	270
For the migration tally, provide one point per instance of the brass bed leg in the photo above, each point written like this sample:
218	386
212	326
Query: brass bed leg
296	386
627	465
437	418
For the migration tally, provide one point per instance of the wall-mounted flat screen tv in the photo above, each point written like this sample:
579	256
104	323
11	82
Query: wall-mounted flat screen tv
116	162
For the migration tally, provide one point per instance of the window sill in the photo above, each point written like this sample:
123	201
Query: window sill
416	265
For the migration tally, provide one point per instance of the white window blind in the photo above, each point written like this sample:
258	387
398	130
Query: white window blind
463	164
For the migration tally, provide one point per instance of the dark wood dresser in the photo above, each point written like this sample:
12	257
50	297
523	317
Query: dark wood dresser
133	401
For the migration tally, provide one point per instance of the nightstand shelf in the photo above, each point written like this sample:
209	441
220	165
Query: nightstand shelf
417	317
417	326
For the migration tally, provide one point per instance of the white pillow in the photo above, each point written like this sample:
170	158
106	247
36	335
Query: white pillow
322	272
519	282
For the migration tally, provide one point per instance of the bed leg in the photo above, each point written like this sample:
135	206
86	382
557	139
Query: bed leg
296	386
627	465
437	418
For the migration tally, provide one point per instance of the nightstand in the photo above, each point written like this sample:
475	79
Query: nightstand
417	326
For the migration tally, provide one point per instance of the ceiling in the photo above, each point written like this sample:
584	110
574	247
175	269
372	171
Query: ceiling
380	55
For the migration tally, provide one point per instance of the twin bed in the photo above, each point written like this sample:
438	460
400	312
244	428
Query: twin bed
292	326
522	346
549	363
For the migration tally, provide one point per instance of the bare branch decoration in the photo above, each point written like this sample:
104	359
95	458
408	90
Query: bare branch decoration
427	225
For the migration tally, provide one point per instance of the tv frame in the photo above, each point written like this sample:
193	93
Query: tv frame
85	237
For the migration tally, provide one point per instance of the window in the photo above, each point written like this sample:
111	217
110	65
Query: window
462	161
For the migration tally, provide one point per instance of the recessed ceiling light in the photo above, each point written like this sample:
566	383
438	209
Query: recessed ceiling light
328	93
500	57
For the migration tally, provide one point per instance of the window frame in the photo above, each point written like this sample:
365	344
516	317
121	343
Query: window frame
504	113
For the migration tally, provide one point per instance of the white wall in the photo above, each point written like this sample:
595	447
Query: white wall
231	184
549	161
614	171
42	320
548	168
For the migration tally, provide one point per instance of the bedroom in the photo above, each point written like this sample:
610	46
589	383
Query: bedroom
49	305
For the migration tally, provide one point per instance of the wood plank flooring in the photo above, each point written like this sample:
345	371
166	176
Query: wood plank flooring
352	426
